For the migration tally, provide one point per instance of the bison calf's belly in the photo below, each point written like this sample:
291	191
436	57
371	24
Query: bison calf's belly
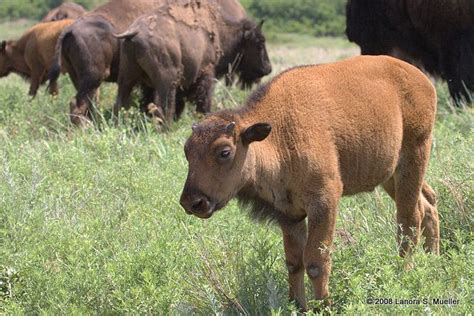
369	166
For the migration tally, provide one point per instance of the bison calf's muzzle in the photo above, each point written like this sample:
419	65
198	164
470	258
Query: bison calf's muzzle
197	204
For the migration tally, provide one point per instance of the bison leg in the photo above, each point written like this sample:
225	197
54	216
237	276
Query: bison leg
167	99
81	111
53	88
125	88
35	81
294	240
147	96
427	208
321	227
430	223
408	184
171	104
180	104
204	90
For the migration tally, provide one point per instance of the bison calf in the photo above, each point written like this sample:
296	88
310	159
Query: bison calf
307	138
32	55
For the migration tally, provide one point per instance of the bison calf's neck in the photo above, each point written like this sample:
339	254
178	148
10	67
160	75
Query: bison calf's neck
307	138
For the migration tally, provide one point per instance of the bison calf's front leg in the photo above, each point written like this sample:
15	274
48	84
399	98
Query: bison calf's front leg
294	240
317	253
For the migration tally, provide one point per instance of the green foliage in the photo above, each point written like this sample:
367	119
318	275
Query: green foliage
90	221
35	9
321	18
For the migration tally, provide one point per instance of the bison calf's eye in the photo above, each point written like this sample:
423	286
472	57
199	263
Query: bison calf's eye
224	154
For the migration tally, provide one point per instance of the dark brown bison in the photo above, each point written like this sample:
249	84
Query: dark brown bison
32	55
67	10
90	52
307	138
179	50
436	35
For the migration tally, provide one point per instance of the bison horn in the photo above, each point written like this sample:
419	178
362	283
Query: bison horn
260	25
194	127
126	35
3	46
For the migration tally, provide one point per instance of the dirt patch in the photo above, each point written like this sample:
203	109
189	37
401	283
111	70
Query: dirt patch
195	14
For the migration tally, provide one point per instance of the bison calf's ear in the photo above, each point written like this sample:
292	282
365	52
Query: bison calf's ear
256	133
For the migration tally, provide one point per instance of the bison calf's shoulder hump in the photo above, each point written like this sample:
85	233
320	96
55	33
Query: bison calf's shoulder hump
310	136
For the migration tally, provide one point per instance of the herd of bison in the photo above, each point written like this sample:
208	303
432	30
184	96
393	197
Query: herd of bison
304	139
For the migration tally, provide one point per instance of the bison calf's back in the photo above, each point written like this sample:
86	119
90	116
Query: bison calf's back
310	136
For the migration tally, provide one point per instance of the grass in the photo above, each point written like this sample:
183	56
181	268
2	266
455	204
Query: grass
90	221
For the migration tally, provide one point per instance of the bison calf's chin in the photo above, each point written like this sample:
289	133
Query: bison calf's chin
300	161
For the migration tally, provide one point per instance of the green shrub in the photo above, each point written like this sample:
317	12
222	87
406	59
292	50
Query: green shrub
321	18
36	9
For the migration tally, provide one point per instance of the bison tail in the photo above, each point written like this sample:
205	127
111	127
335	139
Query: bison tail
126	35
55	70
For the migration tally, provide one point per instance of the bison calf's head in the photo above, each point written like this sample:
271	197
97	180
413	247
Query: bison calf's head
219	163
255	63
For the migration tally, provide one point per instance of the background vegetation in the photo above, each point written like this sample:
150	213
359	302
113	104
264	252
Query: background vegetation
321	17
90	221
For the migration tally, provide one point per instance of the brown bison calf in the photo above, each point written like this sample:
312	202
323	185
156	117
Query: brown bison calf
32	55
307	138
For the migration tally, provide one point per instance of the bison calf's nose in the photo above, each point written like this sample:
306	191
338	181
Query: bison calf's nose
199	206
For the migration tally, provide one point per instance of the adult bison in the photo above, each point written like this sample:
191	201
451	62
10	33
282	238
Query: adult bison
307	138
89	51
32	55
436	35
67	10
179	50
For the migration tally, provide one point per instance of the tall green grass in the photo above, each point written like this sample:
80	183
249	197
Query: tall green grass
90	221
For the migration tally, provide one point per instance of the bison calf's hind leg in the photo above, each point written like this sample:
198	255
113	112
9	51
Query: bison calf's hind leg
415	200
427	209
430	222
294	240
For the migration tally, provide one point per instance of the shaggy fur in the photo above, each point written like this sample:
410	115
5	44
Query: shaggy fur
32	55
437	36
182	49
67	10
307	138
